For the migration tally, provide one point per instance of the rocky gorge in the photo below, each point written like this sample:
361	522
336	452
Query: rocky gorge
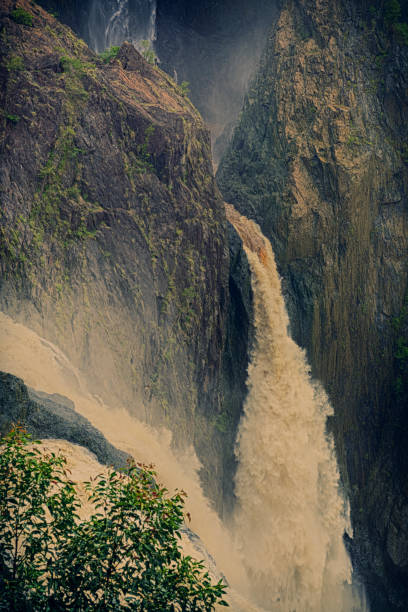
323	133
115	246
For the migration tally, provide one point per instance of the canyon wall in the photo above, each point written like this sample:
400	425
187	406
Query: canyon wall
113	233
213	47
319	160
114	243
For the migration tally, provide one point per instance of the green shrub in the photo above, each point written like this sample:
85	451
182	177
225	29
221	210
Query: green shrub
21	16
392	11
400	325
401	30
15	63
185	88
109	54
13	118
125	556
10	117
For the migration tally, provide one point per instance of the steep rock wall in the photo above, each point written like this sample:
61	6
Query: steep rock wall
113	237
319	160
214	46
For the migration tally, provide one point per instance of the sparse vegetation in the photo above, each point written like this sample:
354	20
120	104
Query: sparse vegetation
401	30
400	324
109	54
185	88
15	63
148	52
10	117
391	17
21	16
392	11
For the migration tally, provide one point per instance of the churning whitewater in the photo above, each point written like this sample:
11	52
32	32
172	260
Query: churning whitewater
285	552
290	517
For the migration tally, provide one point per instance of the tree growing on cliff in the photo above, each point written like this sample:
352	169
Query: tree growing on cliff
125	556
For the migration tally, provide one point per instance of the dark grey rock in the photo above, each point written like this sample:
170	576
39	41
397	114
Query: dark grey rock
52	416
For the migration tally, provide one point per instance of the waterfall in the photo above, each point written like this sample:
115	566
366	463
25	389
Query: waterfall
284	552
290	517
151	32
111	22
108	24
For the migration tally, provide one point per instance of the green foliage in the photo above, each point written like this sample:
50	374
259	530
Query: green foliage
21	16
11	118
69	64
143	149
125	556
400	325
15	63
185	88
36	503
222	422
401	30
76	68
147	52
109	54
391	17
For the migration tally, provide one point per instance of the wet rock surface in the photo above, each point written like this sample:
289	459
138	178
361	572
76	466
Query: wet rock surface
113	233
52	416
318	160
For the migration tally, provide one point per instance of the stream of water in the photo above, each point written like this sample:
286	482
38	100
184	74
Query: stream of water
290	516
284	551
111	22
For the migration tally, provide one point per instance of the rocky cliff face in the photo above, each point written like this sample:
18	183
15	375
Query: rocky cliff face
113	237
319	160
214	46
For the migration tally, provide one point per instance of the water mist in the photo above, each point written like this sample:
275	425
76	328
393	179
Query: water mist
285	552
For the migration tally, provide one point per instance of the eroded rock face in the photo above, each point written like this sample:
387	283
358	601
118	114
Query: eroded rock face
318	160
113	236
213	46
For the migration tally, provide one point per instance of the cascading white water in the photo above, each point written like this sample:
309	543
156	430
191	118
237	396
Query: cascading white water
117	29
288	554
290	517
111	22
108	24
151	33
